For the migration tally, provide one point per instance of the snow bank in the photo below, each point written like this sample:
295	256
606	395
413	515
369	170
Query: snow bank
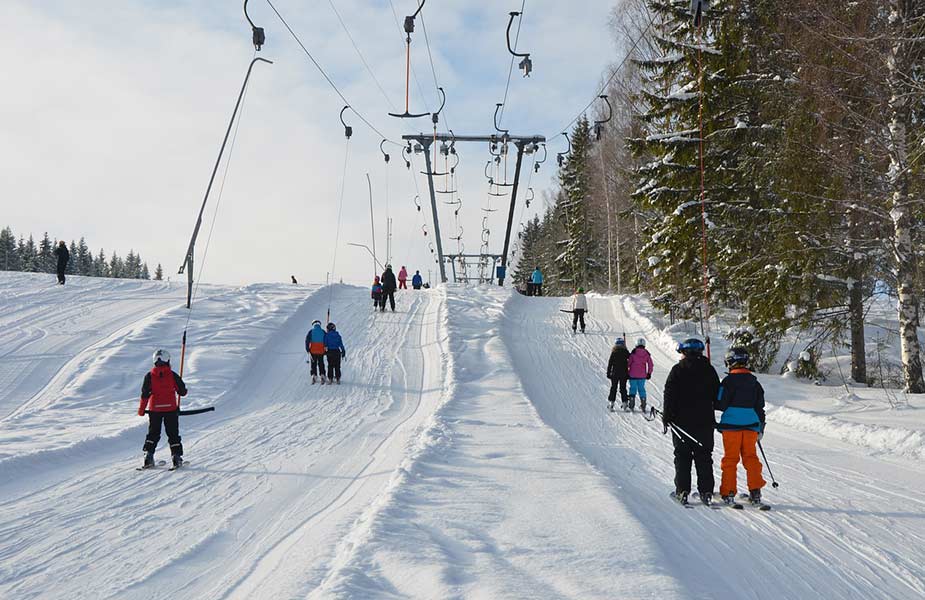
890	440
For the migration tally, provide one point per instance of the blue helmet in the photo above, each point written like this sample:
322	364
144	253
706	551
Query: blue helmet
620	342
737	357
691	347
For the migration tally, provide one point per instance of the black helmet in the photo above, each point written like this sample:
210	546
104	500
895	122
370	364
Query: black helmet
691	347
331	327
737	357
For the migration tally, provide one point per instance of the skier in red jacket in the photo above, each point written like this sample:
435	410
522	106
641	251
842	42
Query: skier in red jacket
160	396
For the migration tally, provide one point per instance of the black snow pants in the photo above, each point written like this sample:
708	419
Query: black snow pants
61	270
614	385
578	315
687	452
171	421
317	364
390	295
334	364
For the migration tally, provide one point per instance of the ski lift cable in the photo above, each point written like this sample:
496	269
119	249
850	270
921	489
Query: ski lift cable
326	76
613	75
340	211
433	70
356	48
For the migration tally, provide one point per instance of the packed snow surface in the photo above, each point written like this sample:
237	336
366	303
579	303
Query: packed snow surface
467	454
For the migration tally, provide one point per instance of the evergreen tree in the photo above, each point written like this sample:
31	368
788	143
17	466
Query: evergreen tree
46	261
9	257
159	273
29	255
145	274
73	262
83	258
116	266
100	266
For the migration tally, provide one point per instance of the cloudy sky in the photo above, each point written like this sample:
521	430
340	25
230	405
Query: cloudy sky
113	112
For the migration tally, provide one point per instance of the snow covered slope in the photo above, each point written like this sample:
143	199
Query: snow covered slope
466	455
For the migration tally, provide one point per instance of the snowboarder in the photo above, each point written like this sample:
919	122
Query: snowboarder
417	281
403	278
618	372
314	345
159	396
334	346
741	400
537	280
579	308
376	294
640	369
388	288
63	255
690	391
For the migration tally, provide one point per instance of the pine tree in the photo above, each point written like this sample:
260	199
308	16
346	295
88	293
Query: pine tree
100	266
159	273
29	255
9	257
73	262
83	258
116	266
144	274
45	261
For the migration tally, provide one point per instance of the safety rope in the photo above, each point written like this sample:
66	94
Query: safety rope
340	211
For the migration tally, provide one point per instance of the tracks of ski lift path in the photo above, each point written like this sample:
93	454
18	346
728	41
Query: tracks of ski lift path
845	524
271	487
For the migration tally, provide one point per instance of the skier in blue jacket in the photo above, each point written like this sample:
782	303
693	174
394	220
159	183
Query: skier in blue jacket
314	345
537	281
417	281
335	351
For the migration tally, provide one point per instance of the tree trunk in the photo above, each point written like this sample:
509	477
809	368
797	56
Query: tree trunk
856	302
899	69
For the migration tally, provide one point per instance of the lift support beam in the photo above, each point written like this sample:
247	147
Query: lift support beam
520	141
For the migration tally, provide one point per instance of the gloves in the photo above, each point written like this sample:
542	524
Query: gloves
665	427
760	435
649	376
343	354
141	408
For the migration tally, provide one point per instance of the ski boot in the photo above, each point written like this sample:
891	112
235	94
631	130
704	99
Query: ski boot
149	460
642	404
632	404
707	498
754	497
314	379
611	403
624	406
730	501
681	498
338	381
323	380
177	461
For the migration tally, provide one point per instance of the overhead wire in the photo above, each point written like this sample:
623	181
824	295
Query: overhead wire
510	71
340	211
360	54
327	77
401	35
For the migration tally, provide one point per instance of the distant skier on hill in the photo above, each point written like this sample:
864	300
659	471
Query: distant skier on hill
741	400
159	396
388	287
579	308
334	346
618	372
314	345
403	278
417	281
376	293
63	256
690	391
640	369
536	281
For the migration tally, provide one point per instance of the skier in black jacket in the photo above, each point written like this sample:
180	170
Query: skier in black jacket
690	391
63	255
618	372
389	285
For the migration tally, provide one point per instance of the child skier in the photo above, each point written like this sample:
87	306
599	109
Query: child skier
335	351
159	396
579	308
741	400
314	345
417	281
640	369
403	278
377	294
618	372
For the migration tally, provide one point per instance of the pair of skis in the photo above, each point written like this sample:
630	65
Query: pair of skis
717	505
160	463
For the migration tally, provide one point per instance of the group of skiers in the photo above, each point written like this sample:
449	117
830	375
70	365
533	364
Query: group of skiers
325	342
384	286
693	392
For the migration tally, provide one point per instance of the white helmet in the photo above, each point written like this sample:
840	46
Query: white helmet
161	356
641	342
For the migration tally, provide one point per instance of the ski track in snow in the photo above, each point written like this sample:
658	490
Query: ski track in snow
467	454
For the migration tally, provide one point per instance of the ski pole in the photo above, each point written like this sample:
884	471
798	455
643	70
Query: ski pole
774	483
676	429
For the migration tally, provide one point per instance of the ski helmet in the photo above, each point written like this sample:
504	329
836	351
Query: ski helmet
737	357
161	356
620	342
641	342
581	290
691	347
331	327
316	322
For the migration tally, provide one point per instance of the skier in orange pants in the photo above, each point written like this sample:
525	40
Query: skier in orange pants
741	400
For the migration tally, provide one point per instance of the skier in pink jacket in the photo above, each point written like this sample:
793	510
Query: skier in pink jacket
640	369
403	278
